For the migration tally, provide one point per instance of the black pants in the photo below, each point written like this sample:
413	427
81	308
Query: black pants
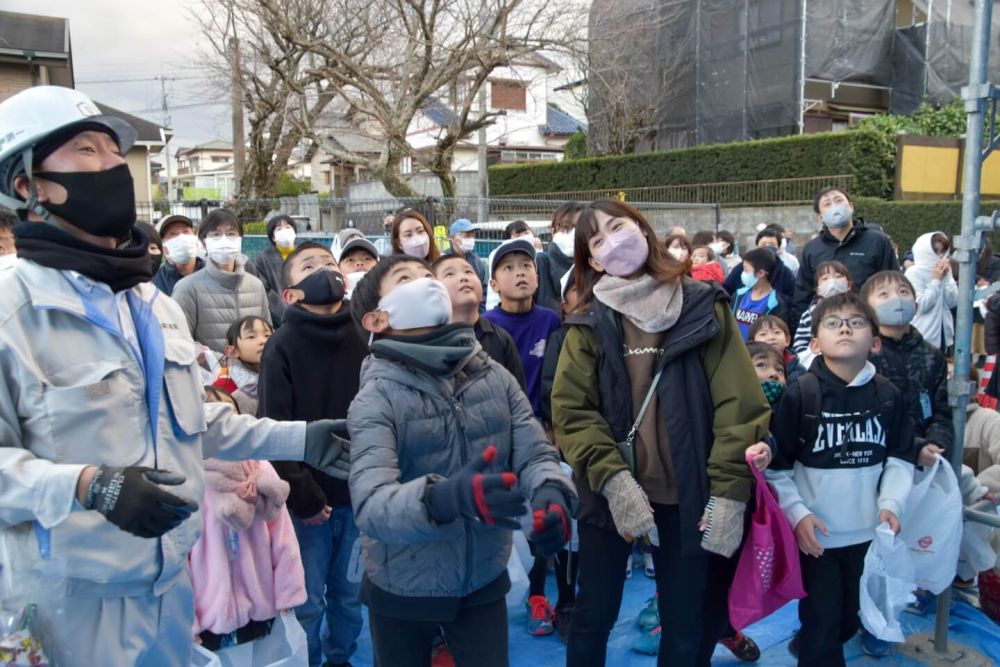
476	638
693	594
829	612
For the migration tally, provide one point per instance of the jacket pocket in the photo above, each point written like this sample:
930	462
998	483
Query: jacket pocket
94	416
184	388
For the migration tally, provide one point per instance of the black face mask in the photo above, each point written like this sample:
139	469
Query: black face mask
155	260
101	203
321	288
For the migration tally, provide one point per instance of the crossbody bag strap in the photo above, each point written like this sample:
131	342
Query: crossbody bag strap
645	404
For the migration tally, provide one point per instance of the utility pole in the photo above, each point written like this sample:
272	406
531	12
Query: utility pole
239	156
483	208
166	146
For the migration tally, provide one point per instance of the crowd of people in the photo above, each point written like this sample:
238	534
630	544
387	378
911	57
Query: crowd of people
200	448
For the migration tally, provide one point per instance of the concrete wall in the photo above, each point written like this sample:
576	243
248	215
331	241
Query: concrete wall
743	221
13	79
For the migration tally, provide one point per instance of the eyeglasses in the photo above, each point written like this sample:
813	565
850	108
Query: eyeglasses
833	322
231	234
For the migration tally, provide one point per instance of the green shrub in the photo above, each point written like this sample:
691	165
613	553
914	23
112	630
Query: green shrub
856	153
904	221
289	186
255	227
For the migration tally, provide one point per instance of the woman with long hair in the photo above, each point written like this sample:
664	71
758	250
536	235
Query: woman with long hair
683	482
412	235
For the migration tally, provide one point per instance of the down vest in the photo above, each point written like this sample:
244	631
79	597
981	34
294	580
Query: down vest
408	428
212	299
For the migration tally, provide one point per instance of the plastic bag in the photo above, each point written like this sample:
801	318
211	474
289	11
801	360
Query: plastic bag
768	574
887	584
284	646
517	571
932	526
18	646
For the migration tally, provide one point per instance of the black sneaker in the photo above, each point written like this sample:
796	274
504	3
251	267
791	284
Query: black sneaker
793	646
744	648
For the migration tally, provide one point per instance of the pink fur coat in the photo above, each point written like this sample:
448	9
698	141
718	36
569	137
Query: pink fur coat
246	564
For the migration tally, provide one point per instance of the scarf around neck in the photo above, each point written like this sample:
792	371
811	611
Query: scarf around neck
441	353
650	304
120	268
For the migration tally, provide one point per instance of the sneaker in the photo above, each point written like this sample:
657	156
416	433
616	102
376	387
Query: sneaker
920	606
648	642
541	616
628	567
873	646
744	648
649	617
793	646
649	570
563	621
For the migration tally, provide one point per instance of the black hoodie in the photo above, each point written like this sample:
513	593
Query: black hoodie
311	369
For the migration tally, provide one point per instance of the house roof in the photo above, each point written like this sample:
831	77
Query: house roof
148	131
354	142
560	123
214	145
47	36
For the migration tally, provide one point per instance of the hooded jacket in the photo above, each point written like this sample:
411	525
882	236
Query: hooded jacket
408	429
864	251
552	266
935	296
212	299
784	279
168	275
920	372
708	271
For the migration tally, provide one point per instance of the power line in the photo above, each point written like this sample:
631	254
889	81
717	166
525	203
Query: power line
151	78
181	106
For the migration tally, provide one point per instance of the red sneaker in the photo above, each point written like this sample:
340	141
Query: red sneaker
540	616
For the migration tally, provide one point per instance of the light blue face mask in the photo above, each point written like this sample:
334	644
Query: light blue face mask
837	217
749	279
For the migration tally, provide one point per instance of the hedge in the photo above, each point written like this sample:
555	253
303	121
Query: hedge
904	221
857	153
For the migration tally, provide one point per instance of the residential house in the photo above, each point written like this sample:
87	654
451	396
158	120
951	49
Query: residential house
205	171
151	141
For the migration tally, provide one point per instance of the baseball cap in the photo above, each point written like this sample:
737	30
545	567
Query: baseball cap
167	220
462	225
513	245
359	243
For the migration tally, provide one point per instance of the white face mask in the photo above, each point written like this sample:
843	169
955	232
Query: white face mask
224	250
680	254
718	247
565	241
8	260
831	287
285	237
353	279
467	245
424	302
182	248
416	245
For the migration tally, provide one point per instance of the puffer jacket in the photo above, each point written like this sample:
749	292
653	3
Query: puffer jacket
408	428
935	297
72	394
920	372
268	264
212	299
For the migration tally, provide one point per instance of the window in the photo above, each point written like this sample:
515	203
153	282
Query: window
507	95
526	156
326	178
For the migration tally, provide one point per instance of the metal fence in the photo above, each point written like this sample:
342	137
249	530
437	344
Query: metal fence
731	193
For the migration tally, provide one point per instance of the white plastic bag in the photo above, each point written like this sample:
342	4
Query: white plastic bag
976	554
886	585
517	571
932	526
284	646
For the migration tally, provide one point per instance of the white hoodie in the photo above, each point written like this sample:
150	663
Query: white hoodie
935	297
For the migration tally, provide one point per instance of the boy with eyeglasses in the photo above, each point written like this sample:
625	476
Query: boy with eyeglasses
843	465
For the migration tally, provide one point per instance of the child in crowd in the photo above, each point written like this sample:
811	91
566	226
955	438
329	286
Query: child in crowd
704	265
844	464
281	235
245	567
757	297
935	288
309	371
444	454
514	276
245	341
223	292
832	277
357	258
518	229
466	294
774	331
917	368
180	250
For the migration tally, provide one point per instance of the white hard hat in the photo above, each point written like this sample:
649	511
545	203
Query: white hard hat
36	114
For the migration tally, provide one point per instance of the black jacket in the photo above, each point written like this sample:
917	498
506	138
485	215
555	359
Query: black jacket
311	369
920	372
553	346
784	280
552	266
268	264
500	346
168	276
991	328
864	251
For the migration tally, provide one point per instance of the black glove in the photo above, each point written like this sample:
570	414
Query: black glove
328	447
551	528
472	493
132	499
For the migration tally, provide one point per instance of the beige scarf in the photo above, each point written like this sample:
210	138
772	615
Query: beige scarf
650	304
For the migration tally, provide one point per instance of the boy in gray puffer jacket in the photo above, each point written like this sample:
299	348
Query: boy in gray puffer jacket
445	452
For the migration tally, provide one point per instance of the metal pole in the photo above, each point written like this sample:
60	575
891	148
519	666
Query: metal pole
482	208
967	245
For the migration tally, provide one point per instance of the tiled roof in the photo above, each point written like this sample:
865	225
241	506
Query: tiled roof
558	122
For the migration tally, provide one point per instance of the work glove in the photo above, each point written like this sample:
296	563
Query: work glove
131	498
328	447
630	509
550	529
473	493
722	524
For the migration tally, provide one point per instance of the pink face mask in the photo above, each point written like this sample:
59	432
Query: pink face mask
624	252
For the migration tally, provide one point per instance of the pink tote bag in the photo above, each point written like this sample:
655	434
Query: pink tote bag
768	574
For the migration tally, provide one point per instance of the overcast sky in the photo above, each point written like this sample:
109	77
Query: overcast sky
116	39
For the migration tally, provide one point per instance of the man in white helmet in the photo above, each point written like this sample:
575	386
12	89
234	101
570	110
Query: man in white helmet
102	425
